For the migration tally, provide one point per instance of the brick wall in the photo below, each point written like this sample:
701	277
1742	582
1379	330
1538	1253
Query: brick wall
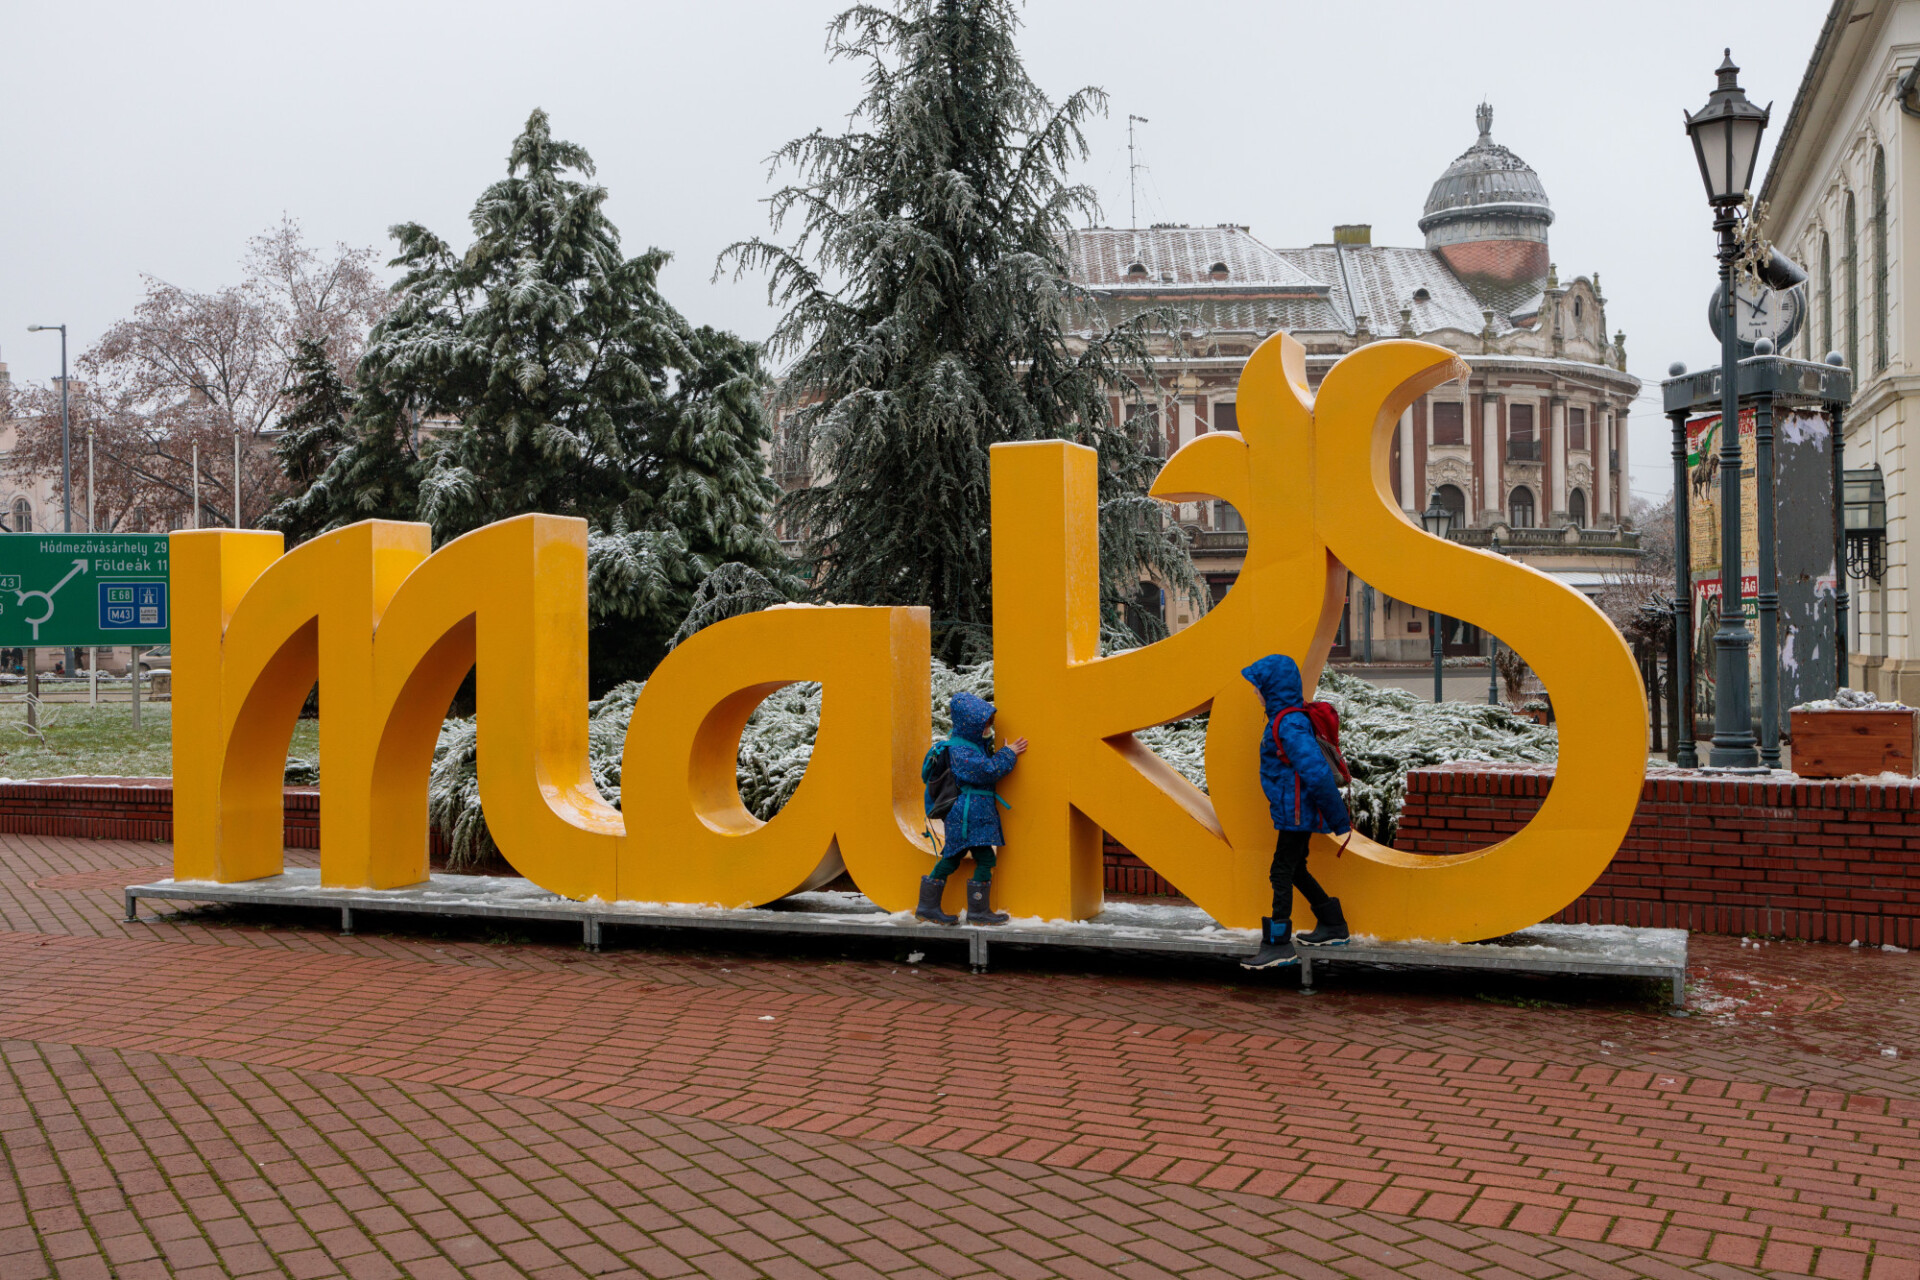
125	809
1829	861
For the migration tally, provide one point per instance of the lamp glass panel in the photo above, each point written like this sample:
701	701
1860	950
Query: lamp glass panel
1710	140
1746	151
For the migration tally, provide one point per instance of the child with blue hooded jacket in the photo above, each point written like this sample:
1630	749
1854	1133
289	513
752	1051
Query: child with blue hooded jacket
973	824
1303	795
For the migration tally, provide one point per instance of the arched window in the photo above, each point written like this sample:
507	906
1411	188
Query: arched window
1826	298
22	516
1520	508
1850	266
1577	508
1218	271
1879	259
1455	501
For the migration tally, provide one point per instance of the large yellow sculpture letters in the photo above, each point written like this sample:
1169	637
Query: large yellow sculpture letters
390	630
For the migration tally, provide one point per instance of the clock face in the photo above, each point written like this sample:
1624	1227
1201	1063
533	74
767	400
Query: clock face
1760	312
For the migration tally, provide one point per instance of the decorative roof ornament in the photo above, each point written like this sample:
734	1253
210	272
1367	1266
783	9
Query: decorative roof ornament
1483	116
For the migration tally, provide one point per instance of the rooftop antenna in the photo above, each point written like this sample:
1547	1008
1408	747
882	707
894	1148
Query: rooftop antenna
1133	169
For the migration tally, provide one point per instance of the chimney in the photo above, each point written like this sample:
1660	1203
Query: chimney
1353	233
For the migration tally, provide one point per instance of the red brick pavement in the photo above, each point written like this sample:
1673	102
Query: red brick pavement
435	1103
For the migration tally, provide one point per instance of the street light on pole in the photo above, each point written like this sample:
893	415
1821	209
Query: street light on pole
1438	520
66	445
1726	141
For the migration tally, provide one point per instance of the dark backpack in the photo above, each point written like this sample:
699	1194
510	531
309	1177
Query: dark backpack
942	788
1325	721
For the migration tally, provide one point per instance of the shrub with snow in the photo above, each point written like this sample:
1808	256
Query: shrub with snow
1384	733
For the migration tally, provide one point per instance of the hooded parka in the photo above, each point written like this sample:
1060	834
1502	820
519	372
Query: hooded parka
1303	791
975	818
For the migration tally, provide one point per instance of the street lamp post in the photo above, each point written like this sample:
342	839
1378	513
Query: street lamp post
66	446
1726	141
1438	520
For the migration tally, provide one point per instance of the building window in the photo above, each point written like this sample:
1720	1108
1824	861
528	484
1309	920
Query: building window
1450	497
1521	446
1226	518
1449	422
22	516
1577	508
1850	267
1879	259
1576	428
1826	297
1520	508
1226	416
1218	271
1577	310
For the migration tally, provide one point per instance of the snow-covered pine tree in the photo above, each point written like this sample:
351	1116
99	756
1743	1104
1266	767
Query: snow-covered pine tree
552	376
314	427
930	315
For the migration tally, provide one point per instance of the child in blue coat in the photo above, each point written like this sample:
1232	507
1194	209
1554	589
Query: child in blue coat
973	824
1303	795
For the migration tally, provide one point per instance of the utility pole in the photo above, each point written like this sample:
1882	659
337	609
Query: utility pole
236	479
1133	199
66	449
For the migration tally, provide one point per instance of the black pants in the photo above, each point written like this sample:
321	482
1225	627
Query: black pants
1290	872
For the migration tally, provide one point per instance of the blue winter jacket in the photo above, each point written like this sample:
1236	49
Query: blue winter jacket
975	818
1303	791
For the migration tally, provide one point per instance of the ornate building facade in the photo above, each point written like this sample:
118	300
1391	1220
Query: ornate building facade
1834	199
1530	452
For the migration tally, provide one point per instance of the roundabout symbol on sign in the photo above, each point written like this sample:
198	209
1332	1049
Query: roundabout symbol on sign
21	597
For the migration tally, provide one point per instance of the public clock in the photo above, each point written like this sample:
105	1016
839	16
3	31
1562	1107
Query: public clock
1760	312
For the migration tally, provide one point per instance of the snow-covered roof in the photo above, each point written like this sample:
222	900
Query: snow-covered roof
1376	281
1158	258
1322	288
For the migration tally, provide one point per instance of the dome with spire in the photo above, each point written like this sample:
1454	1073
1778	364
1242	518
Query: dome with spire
1486	174
1487	215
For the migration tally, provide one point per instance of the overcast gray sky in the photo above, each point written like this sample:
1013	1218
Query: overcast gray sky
143	138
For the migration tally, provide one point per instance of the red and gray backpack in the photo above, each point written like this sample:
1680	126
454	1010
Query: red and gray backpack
1324	719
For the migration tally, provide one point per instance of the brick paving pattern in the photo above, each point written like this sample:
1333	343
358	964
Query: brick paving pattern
447	1100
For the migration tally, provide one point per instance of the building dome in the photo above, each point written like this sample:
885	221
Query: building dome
1487	215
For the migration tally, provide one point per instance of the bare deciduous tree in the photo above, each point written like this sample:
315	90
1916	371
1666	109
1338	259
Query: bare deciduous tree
191	368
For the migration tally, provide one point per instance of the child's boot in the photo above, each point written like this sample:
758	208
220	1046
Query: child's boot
929	908
1276	946
979	910
1330	927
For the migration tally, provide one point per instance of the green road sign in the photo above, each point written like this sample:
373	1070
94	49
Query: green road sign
81	589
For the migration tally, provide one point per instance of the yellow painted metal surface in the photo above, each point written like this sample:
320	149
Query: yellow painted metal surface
1309	476
390	631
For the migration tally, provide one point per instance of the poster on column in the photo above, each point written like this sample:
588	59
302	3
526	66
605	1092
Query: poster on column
1803	542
